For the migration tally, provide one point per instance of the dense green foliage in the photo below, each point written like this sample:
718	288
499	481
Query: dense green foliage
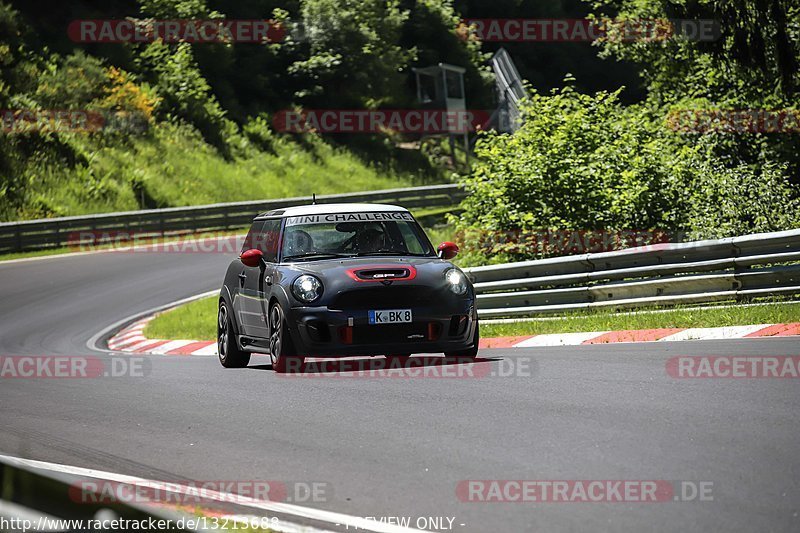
197	117
212	104
183	149
598	151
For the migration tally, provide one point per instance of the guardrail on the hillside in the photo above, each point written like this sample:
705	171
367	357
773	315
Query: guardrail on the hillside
735	268
54	232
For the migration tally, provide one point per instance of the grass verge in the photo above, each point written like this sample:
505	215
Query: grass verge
193	321
196	320
767	313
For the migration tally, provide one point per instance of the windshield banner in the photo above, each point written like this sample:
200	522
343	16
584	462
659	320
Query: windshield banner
333	218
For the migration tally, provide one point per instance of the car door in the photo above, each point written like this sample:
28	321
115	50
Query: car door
244	303
257	281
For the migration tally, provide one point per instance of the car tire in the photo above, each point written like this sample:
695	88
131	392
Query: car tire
230	356
281	348
472	353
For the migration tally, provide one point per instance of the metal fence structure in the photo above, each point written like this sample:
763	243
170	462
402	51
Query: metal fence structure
33	499
736	268
510	92
55	232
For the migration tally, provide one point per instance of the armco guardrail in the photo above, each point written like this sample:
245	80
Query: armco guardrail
54	232
37	500
734	268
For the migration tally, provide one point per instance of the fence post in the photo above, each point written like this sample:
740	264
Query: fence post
18	237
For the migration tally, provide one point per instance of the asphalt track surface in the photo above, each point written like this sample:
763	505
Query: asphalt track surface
398	447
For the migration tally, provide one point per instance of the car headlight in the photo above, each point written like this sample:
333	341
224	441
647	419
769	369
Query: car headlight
456	281
307	288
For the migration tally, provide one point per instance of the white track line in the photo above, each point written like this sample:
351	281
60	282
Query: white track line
129	333
702	334
126	343
559	339
136	347
211	349
168	347
330	517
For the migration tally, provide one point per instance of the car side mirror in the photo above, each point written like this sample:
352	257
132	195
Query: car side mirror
448	250
252	257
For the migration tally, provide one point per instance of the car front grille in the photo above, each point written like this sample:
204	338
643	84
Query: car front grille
383	297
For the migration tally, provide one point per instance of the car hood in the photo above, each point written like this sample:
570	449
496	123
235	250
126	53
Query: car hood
339	268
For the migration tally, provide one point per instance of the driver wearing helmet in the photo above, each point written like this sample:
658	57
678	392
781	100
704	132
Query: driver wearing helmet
370	239
298	242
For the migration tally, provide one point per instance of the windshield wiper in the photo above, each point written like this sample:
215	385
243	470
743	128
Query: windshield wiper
315	255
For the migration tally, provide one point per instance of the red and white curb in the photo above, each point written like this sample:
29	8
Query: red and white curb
645	335
131	339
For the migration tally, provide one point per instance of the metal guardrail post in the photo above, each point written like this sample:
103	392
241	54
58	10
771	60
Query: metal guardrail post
18	238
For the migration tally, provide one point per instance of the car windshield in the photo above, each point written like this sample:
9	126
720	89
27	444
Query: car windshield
353	235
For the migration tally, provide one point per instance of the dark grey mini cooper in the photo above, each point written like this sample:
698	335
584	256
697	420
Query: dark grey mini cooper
343	280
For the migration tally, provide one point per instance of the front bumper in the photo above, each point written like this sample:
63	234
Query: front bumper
320	331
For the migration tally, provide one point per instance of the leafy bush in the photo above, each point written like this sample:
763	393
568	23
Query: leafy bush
734	201
753	63
258	132
578	162
123	94
585	162
186	93
72	82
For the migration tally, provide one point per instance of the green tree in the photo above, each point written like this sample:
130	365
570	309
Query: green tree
355	59
186	92
752	63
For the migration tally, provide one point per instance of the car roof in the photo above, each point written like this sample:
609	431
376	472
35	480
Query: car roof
325	209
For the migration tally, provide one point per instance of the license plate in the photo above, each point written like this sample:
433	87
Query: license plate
390	316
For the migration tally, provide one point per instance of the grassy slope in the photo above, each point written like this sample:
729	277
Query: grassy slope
196	320
176	168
